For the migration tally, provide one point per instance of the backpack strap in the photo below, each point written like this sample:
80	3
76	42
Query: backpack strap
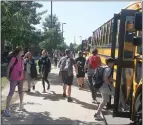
16	60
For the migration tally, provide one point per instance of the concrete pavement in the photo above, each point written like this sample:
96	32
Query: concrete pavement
51	108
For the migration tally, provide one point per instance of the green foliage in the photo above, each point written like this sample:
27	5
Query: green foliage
17	22
52	35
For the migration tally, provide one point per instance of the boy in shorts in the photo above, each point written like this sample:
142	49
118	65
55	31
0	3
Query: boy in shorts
66	72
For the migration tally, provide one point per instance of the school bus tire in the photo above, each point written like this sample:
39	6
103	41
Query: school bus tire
138	110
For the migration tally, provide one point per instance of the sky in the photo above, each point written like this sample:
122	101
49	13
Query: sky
81	18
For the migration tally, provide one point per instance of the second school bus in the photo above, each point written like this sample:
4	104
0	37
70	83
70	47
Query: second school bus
120	38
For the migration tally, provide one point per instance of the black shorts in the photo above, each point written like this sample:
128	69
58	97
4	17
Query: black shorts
68	80
80	75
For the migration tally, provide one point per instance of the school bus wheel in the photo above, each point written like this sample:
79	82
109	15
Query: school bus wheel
138	110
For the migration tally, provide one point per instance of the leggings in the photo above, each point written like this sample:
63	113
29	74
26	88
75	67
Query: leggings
45	78
13	84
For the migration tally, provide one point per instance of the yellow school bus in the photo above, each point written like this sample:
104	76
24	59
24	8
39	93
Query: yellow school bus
120	38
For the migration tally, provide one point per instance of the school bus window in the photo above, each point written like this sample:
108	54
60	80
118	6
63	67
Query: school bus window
138	72
104	37
99	40
118	26
139	48
140	33
110	37
99	36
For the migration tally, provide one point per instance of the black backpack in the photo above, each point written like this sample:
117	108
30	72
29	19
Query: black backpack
33	69
98	77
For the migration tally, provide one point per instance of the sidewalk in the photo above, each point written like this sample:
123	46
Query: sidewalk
51	108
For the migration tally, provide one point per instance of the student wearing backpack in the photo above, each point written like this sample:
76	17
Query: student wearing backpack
30	69
80	61
44	69
15	74
66	72
91	64
103	82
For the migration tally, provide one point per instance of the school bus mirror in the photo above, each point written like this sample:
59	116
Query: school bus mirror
137	41
138	21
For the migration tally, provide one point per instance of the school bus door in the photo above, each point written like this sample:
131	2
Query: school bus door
125	64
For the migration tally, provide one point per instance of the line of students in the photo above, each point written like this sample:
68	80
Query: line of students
24	68
106	89
15	74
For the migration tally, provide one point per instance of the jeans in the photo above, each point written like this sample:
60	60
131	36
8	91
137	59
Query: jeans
92	88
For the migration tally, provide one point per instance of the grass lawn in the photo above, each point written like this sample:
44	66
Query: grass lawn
4	82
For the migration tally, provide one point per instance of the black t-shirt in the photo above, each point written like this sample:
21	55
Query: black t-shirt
80	61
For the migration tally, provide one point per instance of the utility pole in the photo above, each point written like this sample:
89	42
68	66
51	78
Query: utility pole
74	40
51	19
80	39
51	13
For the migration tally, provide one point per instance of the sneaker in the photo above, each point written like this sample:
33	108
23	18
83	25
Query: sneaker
82	85
33	87
80	88
70	99
64	95
48	87
44	91
28	90
94	101
98	116
7	113
21	107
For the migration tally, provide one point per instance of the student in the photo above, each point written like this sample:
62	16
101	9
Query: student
55	55
15	74
80	61
30	70
66	72
45	68
107	88
91	64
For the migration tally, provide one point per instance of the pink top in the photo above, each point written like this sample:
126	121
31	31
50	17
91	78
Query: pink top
18	70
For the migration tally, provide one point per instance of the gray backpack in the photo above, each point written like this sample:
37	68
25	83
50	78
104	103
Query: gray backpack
66	65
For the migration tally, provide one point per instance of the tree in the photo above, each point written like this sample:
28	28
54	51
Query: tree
52	34
17	22
62	47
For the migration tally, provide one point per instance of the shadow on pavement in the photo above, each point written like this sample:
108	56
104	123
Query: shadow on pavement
56	80
51	95
33	118
86	105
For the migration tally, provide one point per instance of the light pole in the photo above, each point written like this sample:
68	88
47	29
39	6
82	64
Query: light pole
80	39
51	13
63	29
